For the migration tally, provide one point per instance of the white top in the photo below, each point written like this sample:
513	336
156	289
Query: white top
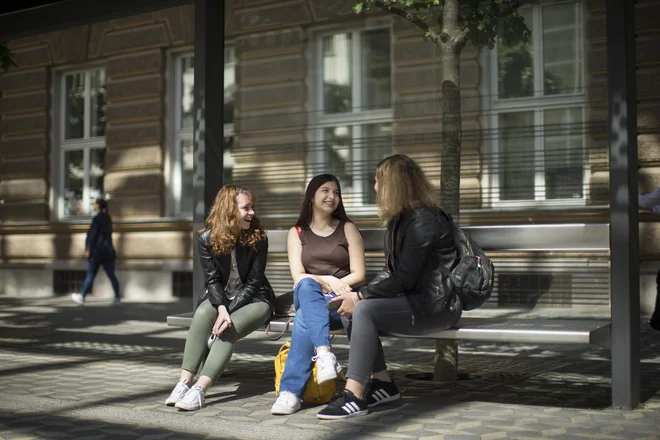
651	201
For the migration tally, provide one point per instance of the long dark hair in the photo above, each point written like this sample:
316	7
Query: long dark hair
306	209
103	209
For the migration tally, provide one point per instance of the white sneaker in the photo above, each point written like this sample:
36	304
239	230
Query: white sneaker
328	367
178	392
116	302
78	299
286	403
193	400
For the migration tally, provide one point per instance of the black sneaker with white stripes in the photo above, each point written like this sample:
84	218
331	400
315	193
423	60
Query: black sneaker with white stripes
382	392
344	405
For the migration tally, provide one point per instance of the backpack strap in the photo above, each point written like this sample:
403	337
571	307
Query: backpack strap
298	231
454	235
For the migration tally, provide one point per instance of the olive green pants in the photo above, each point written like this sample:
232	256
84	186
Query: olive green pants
243	322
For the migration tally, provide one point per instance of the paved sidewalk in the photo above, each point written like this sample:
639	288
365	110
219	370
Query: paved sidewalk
99	372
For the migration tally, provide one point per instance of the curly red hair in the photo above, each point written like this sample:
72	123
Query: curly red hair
222	222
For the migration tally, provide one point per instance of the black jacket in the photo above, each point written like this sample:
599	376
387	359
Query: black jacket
99	238
251	262
417	243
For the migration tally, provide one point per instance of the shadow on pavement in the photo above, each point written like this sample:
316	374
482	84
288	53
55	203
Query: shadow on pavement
504	374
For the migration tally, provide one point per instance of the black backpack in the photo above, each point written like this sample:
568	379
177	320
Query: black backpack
474	275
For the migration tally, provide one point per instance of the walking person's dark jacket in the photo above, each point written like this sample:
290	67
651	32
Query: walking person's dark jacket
99	238
417	243
251	263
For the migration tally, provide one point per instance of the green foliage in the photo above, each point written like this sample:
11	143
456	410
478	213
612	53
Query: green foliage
480	21
6	57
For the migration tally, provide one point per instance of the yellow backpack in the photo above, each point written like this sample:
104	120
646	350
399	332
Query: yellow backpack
314	393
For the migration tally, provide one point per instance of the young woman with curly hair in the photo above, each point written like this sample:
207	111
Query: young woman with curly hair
237	298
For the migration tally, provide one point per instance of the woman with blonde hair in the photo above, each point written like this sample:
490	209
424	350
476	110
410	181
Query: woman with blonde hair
411	295
237	298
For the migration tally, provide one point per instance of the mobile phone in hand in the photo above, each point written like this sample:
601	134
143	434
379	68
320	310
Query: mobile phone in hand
334	305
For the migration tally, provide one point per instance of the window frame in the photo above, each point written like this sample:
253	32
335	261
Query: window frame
538	104
86	143
357	120
177	134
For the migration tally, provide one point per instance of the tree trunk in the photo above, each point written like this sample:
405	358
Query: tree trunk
450	179
450	51
446	351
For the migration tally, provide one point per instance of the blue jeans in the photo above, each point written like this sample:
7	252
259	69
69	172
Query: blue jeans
93	266
311	329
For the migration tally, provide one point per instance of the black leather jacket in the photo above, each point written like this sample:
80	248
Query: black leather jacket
417	243
251	262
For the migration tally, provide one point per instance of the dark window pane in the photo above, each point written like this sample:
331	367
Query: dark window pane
338	145
337	76
187	163
96	173
517	156
187	85
228	161
562	63
73	184
376	69
564	170
98	103
516	66
230	85
74	117
378	144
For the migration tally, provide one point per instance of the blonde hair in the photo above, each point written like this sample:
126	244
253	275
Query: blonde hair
402	185
222	222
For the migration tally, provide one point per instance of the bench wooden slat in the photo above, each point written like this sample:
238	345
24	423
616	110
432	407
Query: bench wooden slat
539	331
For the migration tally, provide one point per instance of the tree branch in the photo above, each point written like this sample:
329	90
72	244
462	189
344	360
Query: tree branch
465	33
410	17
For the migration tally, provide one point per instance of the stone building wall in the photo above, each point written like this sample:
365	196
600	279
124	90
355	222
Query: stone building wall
273	48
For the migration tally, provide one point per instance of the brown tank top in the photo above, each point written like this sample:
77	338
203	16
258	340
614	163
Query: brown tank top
325	255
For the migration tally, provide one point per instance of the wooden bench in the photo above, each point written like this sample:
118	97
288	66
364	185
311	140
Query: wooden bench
571	238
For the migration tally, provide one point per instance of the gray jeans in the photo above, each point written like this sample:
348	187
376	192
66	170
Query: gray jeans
372	315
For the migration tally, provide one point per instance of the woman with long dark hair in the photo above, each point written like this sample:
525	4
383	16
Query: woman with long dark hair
326	259
99	251
237	298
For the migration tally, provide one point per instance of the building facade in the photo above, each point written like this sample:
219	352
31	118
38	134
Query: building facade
311	87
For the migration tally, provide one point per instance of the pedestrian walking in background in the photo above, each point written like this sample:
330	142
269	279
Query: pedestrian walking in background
99	251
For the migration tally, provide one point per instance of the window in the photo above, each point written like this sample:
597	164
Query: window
183	160
82	140
354	117
537	109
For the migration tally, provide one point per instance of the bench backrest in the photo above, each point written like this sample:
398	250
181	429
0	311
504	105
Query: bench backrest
559	270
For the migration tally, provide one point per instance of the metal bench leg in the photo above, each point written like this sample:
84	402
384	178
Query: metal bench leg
445	363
